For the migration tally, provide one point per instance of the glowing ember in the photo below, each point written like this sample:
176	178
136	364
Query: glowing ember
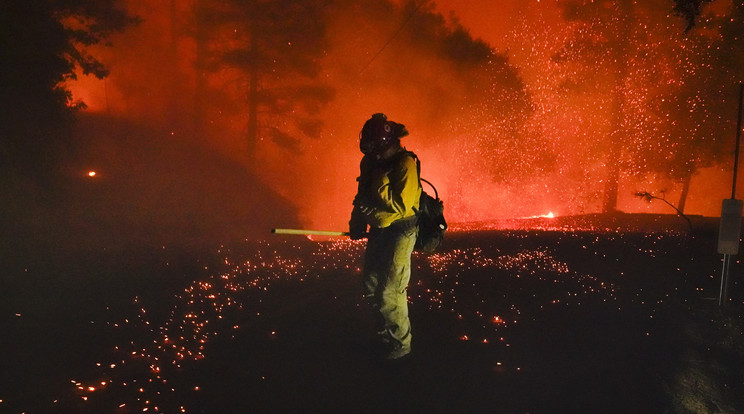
483	291
91	173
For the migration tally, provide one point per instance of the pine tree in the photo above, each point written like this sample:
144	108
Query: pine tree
44	43
273	48
701	109
603	51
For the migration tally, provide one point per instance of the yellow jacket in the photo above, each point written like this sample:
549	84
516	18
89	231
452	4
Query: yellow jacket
388	190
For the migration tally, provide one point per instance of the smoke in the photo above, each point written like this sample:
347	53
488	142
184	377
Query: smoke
423	71
574	123
496	131
405	60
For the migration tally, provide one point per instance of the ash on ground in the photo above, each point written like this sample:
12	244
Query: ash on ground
542	320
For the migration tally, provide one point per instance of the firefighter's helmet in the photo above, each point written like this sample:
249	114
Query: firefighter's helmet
378	134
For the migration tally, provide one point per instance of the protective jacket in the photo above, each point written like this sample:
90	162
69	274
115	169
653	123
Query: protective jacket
389	190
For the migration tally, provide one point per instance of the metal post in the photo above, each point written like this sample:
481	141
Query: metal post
729	234
723	294
738	139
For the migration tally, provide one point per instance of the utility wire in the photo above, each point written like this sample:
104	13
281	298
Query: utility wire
405	22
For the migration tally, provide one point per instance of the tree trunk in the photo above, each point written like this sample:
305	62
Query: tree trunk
618	130
173	60
685	190
200	81
252	133
613	165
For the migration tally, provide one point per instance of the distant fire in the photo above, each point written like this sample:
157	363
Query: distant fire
549	215
91	173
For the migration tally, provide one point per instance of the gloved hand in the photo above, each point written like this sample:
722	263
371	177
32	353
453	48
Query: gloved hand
357	235
357	230
358	223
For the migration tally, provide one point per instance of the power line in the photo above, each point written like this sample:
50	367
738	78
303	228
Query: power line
405	22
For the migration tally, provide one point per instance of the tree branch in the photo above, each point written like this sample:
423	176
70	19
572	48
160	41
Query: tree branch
648	197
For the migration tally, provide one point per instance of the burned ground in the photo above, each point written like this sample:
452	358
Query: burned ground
504	321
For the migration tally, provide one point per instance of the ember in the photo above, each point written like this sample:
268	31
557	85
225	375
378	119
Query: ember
206	122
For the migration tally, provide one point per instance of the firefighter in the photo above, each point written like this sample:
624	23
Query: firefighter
386	202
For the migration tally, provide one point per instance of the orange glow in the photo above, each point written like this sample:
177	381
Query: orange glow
471	158
90	90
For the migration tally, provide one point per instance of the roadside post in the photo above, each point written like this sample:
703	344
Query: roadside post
728	241
729	231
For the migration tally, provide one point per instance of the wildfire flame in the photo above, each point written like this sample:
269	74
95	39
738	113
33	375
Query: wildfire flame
549	215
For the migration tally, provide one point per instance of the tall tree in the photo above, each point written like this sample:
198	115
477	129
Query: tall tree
44	43
601	51
702	108
273	48
654	124
677	92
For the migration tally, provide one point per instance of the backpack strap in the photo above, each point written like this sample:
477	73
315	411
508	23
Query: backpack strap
436	193
415	157
418	169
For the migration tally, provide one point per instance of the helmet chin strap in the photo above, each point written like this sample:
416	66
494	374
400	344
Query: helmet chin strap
388	152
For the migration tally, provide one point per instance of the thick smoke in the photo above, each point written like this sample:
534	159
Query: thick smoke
497	125
405	60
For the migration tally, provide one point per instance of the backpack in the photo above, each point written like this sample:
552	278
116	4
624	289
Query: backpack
431	222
